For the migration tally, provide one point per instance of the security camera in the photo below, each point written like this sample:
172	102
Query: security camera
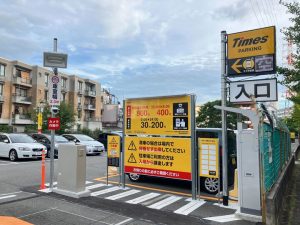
54	110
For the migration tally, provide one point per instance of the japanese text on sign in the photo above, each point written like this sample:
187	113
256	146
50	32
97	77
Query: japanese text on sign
165	157
53	123
258	90
208	157
55	90
159	116
113	150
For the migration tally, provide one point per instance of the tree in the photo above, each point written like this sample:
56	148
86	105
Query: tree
291	76
208	116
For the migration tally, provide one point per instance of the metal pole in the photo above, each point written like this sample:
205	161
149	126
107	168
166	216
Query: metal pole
52	131
224	119
123	149
193	149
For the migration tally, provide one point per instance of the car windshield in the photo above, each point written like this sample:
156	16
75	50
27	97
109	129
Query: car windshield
58	138
21	138
82	137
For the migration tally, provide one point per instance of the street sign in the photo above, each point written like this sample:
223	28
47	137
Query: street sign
259	90
169	115
53	123
208	157
113	150
55	60
160	157
54	91
251	52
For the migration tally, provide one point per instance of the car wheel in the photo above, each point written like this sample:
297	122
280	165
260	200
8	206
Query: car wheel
134	177
13	156
210	185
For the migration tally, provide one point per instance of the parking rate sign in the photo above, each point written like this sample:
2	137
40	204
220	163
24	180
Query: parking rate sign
169	115
160	157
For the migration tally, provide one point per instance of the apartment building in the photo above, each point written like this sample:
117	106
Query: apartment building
23	87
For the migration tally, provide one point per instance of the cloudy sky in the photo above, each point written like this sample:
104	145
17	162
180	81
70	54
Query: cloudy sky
136	48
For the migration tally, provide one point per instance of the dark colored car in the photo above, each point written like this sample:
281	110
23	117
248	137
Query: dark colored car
103	136
45	139
207	184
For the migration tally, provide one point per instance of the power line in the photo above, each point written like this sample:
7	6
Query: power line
255	13
260	12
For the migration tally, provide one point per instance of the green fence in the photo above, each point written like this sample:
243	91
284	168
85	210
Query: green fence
275	150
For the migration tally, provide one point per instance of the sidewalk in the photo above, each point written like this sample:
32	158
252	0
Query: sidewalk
290	208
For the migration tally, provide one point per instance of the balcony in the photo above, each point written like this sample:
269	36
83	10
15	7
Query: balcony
92	119
90	93
22	81
89	107
2	79
64	89
16	98
79	107
22	119
1	98
80	92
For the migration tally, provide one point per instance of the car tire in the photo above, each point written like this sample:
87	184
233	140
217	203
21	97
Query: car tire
134	177
210	185
13	155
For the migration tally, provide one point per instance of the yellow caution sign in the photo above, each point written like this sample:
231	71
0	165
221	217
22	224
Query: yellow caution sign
162	157
292	135
113	150
208	157
169	115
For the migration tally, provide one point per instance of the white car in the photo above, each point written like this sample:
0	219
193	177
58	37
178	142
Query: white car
92	146
19	146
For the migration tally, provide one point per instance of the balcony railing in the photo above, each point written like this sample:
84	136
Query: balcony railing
1	98
22	119
92	119
80	92
22	81
79	107
16	98
89	107
2	79
90	93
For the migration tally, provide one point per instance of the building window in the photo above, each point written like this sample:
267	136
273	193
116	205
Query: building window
2	70
21	92
63	96
1	110
1	89
79	114
46	96
79	100
64	82
46	79
79	85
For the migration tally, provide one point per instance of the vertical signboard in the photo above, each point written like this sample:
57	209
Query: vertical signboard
54	91
113	150
208	157
159	116
161	157
251	52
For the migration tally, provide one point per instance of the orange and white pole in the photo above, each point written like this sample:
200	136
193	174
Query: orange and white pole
43	170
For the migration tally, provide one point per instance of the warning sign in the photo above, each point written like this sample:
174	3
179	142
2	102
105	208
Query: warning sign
132	146
113	150
208	157
170	115
162	157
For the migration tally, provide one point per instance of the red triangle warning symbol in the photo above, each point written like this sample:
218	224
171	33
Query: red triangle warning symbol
132	146
132	159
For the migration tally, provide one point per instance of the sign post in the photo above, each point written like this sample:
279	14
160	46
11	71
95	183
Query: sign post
54	60
113	153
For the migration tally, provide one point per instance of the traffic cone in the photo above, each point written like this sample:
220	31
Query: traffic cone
234	194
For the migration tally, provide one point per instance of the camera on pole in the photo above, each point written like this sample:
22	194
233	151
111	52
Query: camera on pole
55	110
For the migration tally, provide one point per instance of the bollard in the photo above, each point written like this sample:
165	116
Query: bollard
43	171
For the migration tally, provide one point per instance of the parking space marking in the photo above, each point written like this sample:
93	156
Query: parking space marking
7	196
143	198
124	221
105	191
165	202
17	192
190	207
36	213
55	183
122	195
223	219
95	186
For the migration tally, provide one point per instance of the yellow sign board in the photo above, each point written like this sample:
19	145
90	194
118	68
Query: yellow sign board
252	52
161	157
292	135
251	43
169	115
208	157
40	120
113	150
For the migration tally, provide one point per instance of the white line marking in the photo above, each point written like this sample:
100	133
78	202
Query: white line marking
190	207
95	186
122	195
152	201
55	183
125	221
105	191
8	196
11	193
223	219
165	202
143	198
36	213
77	215
230	206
